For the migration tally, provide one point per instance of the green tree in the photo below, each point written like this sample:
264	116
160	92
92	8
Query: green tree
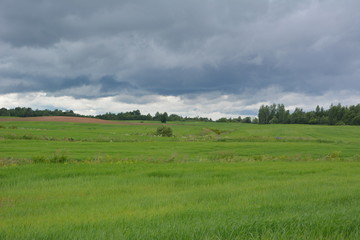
298	116
164	117
264	114
4	112
282	114
246	120
274	120
255	121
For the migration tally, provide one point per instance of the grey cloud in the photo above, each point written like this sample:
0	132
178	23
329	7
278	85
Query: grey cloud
41	23
178	48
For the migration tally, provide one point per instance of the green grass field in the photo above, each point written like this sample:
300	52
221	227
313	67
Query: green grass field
209	181
24	141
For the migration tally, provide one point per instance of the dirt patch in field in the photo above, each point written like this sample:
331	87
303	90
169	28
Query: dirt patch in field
72	119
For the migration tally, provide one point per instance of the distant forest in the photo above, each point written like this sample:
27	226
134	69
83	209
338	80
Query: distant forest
132	115
335	115
268	114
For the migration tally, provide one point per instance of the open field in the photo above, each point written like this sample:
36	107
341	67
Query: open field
195	141
209	181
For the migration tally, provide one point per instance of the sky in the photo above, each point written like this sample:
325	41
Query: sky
206	58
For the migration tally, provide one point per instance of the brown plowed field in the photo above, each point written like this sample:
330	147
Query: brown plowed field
72	119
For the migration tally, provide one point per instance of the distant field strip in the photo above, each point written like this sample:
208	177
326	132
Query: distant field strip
177	151
195	141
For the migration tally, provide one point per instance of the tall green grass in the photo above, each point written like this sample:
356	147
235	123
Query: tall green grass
259	200
43	141
208	181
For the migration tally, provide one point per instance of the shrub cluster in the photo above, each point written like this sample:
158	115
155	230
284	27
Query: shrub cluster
58	157
164	131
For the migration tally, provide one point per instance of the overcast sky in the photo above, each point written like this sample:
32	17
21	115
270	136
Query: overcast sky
209	58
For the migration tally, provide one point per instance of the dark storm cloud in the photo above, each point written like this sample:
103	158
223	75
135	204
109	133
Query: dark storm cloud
45	22
178	81
103	48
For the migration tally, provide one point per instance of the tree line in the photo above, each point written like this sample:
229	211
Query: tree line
28	112
268	114
131	115
335	115
136	115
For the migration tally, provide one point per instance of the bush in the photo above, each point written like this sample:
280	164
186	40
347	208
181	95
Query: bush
164	131
217	131
59	157
39	159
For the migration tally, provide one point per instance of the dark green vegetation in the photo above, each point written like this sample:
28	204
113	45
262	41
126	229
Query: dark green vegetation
28	112
273	114
208	181
335	115
164	131
132	115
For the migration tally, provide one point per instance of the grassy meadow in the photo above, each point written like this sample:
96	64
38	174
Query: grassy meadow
209	181
194	141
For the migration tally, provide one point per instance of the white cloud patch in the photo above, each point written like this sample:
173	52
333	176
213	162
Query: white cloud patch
212	105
